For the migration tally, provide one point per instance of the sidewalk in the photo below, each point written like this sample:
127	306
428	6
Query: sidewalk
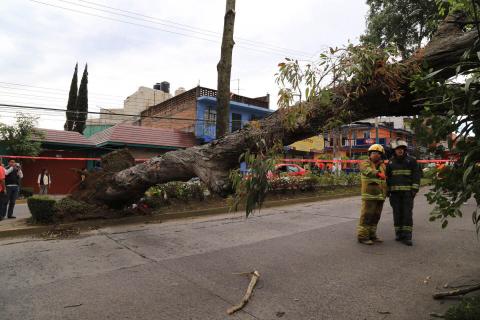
21	227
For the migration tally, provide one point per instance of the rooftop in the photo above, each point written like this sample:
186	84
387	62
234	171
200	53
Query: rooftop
144	136
64	137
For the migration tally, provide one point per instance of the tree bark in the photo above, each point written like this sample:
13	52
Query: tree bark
212	162
224	69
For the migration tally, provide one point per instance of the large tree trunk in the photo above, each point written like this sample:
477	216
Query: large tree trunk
212	162
224	69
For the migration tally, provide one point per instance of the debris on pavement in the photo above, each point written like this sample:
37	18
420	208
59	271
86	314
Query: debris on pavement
457	292
60	233
253	281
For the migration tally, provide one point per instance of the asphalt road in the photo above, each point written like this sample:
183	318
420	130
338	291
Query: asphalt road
310	264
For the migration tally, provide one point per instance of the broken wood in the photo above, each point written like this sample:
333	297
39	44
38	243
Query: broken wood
457	292
253	281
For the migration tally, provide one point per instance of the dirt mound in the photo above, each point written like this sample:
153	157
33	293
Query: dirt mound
117	161
97	182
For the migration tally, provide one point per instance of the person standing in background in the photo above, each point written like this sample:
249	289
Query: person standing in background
12	180
44	181
3	193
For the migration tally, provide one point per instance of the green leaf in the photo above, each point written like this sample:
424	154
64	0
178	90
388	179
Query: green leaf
432	218
434	73
467	83
467	173
444	224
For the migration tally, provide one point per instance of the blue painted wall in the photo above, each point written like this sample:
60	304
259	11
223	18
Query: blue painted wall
206	131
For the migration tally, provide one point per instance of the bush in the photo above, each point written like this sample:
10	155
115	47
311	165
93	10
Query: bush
42	208
161	194
468	309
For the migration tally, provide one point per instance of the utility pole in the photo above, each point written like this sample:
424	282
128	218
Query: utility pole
238	85
224	69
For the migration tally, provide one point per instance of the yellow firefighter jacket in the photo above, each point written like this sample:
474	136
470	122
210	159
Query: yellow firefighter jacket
373	188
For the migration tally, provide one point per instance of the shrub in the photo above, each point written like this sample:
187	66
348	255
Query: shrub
42	208
161	194
468	309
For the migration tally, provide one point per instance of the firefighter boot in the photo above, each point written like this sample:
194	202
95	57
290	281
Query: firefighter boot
407	239
399	236
365	241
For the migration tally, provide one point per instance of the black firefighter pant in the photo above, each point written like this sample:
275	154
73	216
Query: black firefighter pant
402	205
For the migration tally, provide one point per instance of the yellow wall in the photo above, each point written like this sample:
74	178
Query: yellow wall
313	144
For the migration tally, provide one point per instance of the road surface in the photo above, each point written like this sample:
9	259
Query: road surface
310	264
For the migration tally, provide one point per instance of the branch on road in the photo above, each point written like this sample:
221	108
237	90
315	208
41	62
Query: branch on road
253	281
457	292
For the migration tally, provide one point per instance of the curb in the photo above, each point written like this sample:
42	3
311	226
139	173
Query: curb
158	218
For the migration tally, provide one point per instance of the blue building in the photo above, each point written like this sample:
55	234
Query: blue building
195	111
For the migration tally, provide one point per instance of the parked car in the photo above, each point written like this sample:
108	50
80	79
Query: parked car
289	169
282	169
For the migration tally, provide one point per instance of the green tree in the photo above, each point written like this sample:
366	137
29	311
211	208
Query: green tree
72	100
21	139
404	23
407	24
81	107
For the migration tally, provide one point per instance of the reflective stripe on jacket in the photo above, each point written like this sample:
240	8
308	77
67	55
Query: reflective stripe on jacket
403	174
373	188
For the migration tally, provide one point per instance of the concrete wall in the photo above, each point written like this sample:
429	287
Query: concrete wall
142	99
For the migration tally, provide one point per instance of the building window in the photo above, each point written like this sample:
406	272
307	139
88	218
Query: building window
210	116
366	134
236	121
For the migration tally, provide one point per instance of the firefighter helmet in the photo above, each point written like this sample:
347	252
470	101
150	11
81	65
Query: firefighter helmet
400	144
376	147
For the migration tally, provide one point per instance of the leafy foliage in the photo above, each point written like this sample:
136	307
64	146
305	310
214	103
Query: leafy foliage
407	24
81	105
468	309
252	188
21	139
193	189
77	105
403	23
72	100
42	208
355	67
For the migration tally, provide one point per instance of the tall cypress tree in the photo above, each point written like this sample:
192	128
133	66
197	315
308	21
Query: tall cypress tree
72	101
82	103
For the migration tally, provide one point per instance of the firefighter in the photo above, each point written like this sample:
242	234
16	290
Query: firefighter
403	180
373	195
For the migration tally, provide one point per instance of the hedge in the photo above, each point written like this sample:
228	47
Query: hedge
42	208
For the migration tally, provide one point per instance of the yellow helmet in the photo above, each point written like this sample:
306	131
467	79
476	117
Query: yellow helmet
376	147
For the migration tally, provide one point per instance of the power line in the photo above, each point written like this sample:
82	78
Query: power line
99	113
187	27
141	102
269	51
65	92
54	89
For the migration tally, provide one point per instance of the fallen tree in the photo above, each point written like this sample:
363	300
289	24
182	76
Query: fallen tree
382	93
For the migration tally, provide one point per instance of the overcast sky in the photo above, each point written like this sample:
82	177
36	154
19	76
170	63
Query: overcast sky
166	40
